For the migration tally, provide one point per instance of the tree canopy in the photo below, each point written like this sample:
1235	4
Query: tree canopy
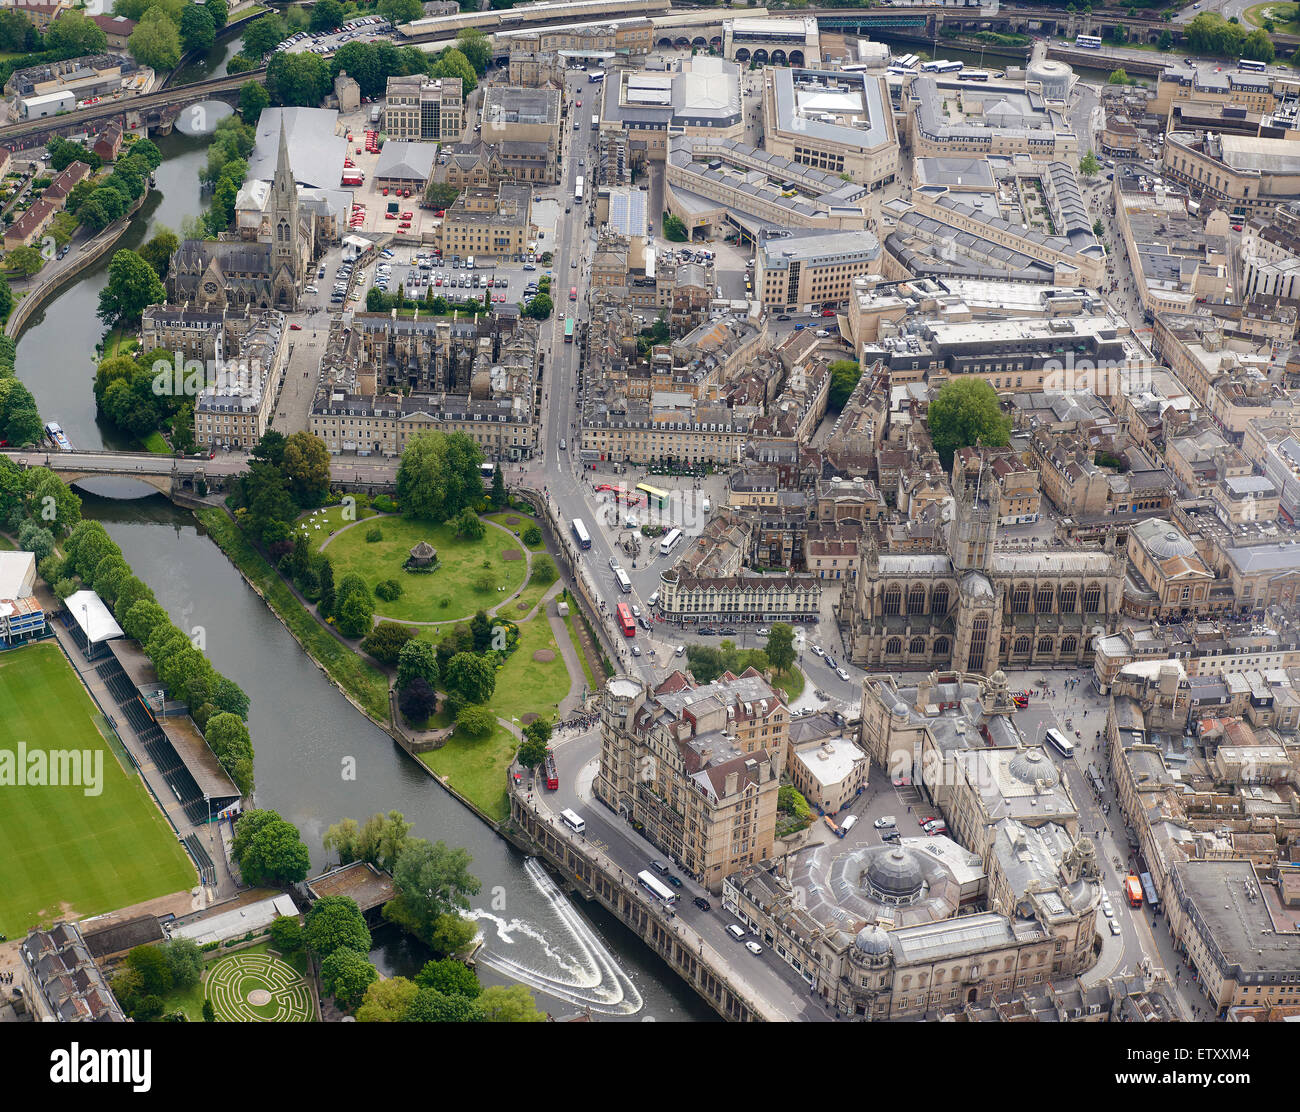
440	474
966	410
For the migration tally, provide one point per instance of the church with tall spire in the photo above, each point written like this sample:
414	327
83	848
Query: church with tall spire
266	271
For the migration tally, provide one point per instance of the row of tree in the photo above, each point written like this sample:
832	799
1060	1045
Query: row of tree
1210	33
217	704
97	201
708	663
227	166
167	29
20	423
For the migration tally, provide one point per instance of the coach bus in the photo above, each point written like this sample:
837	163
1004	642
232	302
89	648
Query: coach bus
670	542
599	75
1088	42
941	65
1133	890
907	62
654	496
625	621
1058	741
568	330
577	189
1250	65
552	776
1149	890
580	533
575	822
657	889
624	583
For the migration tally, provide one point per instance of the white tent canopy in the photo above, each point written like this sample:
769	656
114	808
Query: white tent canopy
93	617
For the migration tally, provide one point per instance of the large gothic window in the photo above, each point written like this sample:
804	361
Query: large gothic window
1021	645
917	647
1069	644
978	643
941	647
893	600
916	599
1091	598
893	646
939	600
1045	646
1043	599
1069	595
1020	600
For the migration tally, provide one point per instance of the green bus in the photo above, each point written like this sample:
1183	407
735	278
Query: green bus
568	330
654	496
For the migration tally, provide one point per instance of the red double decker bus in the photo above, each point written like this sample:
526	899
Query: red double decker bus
1133	890
625	619
552	776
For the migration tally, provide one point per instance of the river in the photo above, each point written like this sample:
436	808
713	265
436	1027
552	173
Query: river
573	955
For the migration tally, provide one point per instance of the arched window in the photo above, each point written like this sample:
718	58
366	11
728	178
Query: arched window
1022	645
1045	646
917	647
916	599
1069	644
978	643
1043	599
942	646
893	646
939	600
893	600
1091	598
1020	599
1069	595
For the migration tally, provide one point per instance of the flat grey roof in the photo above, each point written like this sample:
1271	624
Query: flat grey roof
793	86
316	153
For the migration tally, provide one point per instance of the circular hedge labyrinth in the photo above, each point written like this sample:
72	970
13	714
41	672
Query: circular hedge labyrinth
257	988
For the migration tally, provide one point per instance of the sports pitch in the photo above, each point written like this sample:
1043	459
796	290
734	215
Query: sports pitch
64	854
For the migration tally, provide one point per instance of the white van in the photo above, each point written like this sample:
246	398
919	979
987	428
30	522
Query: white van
736	931
681	649
849	823
469	263
654	598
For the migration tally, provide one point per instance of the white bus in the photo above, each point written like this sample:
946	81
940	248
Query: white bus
907	62
577	189
1058	741
941	65
1250	65
573	821
1088	42
624	583
669	542
660	891
580	533
599	75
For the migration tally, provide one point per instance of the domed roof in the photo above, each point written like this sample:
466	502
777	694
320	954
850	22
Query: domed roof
977	585
872	941
895	874
1170	542
999	678
1033	764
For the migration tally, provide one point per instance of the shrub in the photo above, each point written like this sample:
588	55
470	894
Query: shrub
373	534
384	504
388	590
532	536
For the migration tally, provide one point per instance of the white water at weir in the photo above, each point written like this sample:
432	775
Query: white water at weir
579	968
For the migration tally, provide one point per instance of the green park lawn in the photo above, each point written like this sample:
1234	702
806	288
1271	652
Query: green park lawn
190	1000
64	854
460	564
526	685
155	443
517	522
476	767
1255	17
791	682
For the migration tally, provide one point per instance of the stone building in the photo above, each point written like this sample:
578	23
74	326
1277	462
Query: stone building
974	608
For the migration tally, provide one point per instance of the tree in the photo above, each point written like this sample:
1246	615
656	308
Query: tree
297	79
966	410
209	1012
269	850
36	539
417	660
198	31
132	285
286	934
335	922
532	753
499	498
400	11
450	977
387	1001
109	575
150	964
219	11
158	251
539	307
1098	228
509	1005
326	15
185	960
6	298
417	701
674	230
253	98
20	423
156	41
432	1006
24	261
475	721
471	677
386	641
345	975
355	615
1166	40
1088	164
845	375
382	839
469	526
780	647
73	35
440	474
229	697
306	464
431	880
440	194
263	35
472	43
228	738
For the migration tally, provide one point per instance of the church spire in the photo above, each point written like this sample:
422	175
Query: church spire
283	174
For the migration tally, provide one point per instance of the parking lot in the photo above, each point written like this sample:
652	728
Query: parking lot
451	279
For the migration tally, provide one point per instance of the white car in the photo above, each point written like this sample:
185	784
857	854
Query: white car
753	947
636	610
1108	911
818	650
841	673
613	563
1114	926
885	822
762	632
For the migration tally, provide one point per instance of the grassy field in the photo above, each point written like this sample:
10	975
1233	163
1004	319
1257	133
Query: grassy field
525	685
155	443
517	522
65	853
792	682
190	1000
1285	17
423	596
477	768
568	620
362	681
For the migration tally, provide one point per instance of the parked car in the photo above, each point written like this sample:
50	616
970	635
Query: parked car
753	947
659	867
736	931
672	879
885	822
841	673
702	903
830	663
